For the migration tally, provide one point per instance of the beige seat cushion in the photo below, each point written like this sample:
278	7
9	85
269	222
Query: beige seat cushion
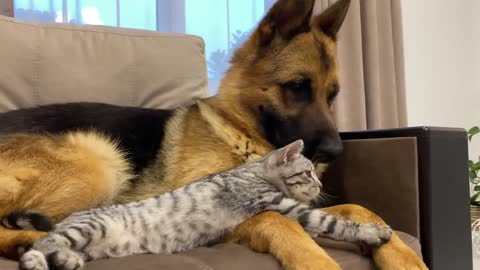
227	256
50	63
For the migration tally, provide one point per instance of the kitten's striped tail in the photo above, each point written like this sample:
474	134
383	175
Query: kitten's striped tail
27	220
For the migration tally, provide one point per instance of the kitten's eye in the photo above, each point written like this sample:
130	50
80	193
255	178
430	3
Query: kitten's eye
301	89
334	92
295	175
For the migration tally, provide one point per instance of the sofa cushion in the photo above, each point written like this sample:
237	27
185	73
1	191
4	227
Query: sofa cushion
51	63
229	256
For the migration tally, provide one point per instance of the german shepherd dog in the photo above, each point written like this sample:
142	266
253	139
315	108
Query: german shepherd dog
280	87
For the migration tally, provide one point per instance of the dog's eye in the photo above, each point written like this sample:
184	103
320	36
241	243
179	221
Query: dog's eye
331	96
301	89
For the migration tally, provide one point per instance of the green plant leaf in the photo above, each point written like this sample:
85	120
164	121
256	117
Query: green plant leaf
472	132
473	199
476	188
472	175
476	166
475	181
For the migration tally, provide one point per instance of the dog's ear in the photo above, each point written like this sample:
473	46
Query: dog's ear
286	19
330	20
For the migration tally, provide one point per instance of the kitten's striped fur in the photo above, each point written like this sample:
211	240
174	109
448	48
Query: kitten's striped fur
197	214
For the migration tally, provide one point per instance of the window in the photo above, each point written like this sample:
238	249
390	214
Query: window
223	24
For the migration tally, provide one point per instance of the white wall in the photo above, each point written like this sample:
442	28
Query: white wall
442	63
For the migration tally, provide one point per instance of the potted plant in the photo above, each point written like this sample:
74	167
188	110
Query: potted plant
473	175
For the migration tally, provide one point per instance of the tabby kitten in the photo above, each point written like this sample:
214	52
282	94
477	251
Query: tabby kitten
199	213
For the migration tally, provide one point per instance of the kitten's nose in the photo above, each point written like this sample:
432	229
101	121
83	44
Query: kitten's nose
317	188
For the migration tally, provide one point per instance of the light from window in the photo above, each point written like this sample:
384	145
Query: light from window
223	24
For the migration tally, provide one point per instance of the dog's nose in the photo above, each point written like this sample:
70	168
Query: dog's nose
328	149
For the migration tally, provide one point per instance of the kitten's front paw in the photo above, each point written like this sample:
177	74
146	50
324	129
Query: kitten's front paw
33	260
66	260
374	234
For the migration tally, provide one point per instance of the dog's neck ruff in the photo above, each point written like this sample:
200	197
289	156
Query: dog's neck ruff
241	143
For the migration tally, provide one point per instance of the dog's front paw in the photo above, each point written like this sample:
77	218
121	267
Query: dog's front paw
33	260
396	255
66	260
374	234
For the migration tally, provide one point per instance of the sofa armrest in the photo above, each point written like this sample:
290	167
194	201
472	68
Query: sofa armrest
416	179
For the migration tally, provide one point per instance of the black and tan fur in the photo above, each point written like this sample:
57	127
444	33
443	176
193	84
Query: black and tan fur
280	87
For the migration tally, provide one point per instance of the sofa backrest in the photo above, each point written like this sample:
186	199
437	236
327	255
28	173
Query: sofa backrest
56	63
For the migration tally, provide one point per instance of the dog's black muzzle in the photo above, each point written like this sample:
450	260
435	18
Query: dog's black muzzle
326	147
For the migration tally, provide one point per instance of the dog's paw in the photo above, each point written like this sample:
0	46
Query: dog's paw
374	234
396	255
65	260
33	260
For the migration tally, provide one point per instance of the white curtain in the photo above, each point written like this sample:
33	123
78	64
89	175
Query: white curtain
372	78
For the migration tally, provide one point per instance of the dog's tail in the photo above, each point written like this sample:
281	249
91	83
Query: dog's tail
27	220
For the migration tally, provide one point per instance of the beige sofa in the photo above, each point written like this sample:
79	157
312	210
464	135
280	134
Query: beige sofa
43	64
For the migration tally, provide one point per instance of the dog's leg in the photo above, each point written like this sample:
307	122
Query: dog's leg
285	239
11	240
395	254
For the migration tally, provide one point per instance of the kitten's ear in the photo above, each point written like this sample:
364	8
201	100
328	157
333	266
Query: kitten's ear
289	152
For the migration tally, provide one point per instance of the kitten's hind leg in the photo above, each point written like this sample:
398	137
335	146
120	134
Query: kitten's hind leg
33	260
52	251
65	259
